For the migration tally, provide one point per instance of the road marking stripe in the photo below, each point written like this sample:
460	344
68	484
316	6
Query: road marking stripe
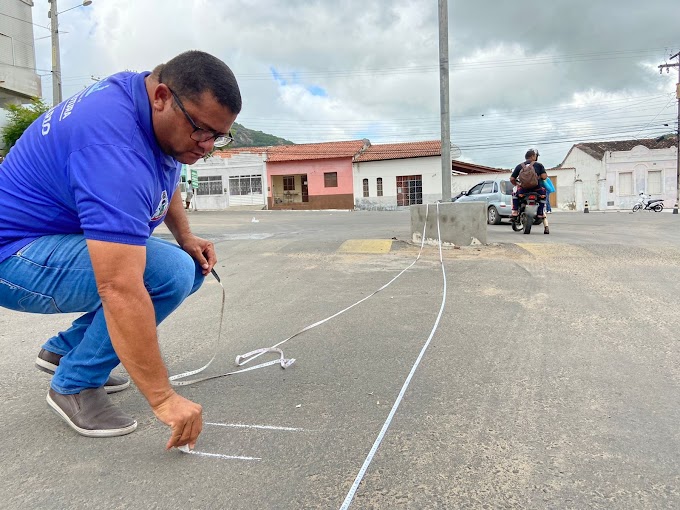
366	246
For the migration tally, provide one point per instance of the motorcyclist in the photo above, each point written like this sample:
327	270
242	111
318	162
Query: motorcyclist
530	158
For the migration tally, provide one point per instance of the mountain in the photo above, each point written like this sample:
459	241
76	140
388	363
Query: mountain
244	137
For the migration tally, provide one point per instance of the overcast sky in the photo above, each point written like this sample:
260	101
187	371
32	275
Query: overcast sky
523	74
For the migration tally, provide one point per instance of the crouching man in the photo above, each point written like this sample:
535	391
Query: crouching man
83	190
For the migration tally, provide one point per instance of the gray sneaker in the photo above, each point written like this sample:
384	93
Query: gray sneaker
91	413
48	361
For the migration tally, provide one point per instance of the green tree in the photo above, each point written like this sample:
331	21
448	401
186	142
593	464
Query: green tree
19	118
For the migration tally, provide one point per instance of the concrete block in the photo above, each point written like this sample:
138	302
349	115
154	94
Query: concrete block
462	224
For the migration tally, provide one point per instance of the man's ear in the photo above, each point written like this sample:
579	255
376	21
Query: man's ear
162	98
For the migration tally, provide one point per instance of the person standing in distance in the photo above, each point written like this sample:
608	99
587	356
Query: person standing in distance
190	195
83	190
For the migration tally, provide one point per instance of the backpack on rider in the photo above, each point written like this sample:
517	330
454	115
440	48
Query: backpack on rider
527	176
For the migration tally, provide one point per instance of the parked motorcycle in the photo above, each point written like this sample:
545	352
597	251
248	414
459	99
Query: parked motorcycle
528	211
646	202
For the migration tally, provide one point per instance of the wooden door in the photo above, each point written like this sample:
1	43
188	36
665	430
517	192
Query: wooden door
553	196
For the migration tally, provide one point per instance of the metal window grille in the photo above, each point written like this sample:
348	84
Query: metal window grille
245	185
209	185
365	188
409	190
379	185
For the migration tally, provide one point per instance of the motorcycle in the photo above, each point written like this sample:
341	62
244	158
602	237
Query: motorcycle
528	211
646	202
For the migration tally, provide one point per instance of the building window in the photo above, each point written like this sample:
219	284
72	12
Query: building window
209	185
654	182
379	183
330	179
365	188
288	183
409	190
626	183
245	185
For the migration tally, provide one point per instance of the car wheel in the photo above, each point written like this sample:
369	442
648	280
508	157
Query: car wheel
493	218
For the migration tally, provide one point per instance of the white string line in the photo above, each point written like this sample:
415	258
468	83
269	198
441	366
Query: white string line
174	379
259	427
243	359
240	359
350	495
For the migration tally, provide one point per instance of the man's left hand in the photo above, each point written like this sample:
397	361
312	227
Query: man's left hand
202	251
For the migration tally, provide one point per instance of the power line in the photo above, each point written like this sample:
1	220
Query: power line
539	60
24	21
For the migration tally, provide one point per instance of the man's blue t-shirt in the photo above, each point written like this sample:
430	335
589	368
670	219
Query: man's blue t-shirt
89	166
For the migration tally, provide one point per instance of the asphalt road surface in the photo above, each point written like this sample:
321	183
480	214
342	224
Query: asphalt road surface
552	380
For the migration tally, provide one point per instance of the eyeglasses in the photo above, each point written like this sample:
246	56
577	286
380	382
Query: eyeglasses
200	134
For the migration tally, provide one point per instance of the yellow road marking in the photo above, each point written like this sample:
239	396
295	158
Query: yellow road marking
554	250
366	246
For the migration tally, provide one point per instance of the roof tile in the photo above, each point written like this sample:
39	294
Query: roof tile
405	150
325	150
597	149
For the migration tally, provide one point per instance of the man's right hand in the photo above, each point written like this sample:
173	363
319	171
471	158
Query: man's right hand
184	417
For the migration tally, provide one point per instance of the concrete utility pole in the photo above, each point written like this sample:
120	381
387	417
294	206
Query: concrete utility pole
677	132
56	62
444	98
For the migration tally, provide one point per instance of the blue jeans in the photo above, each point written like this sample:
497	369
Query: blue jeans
53	274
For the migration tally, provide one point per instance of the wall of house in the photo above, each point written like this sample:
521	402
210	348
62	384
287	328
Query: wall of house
563	180
236	165
320	197
640	161
590	171
428	167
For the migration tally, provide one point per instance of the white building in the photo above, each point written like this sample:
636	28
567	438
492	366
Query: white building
387	176
610	175
19	81
229	178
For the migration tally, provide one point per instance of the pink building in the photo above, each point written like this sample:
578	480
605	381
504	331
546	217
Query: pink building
312	176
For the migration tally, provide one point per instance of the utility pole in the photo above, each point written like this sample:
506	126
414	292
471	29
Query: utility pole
56	62
444	98
677	132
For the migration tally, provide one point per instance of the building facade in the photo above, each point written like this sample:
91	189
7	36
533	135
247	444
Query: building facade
19	82
610	175
233	178
312	176
387	176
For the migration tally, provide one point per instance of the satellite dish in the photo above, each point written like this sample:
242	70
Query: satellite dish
455	151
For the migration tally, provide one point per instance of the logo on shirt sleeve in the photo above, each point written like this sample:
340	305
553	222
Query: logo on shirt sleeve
162	207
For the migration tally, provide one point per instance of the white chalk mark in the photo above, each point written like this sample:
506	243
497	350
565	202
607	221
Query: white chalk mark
260	427
185	449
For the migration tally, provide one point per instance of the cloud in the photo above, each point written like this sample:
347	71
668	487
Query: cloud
521	73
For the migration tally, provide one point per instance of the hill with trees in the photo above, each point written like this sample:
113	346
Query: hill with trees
244	137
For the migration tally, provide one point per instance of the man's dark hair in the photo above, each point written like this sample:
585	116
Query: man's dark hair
531	152
194	72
